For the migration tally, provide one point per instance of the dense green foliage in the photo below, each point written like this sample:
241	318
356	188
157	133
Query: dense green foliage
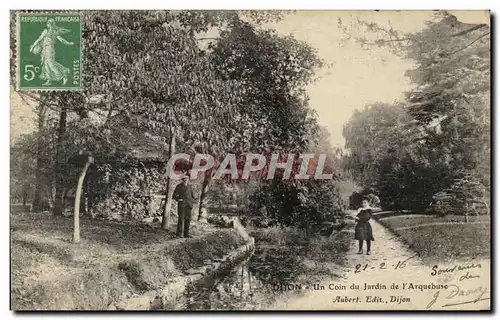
434	147
301	204
153	75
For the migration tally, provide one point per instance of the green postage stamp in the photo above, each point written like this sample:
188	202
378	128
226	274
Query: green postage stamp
49	51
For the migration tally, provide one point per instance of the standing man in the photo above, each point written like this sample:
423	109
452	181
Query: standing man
184	196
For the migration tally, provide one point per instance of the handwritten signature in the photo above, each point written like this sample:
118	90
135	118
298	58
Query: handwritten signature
455	293
399	265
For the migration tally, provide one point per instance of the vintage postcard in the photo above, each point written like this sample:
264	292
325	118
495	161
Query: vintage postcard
250	160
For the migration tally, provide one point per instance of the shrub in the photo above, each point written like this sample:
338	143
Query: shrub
304	204
467	195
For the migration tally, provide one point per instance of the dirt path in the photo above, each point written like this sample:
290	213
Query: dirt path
393	263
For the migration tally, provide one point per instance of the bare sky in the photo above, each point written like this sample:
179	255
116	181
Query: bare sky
357	76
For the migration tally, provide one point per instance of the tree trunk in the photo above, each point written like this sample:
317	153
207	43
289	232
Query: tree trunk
466	212
36	204
204	189
78	195
25	197
58	166
169	188
92	185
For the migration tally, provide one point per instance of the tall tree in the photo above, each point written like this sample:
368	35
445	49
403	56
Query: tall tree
273	72
374	133
171	87
450	100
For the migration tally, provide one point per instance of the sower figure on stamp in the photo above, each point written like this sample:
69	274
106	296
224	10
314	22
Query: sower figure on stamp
184	196
45	47
363	230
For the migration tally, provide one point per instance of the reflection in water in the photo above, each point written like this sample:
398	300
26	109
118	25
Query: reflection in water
237	289
249	284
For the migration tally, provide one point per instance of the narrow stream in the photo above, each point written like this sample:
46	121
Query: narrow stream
249	285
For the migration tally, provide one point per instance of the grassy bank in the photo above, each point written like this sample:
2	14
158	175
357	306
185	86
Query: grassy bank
442	238
113	261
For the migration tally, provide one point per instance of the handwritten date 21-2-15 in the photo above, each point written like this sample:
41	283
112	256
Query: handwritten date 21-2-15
383	265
